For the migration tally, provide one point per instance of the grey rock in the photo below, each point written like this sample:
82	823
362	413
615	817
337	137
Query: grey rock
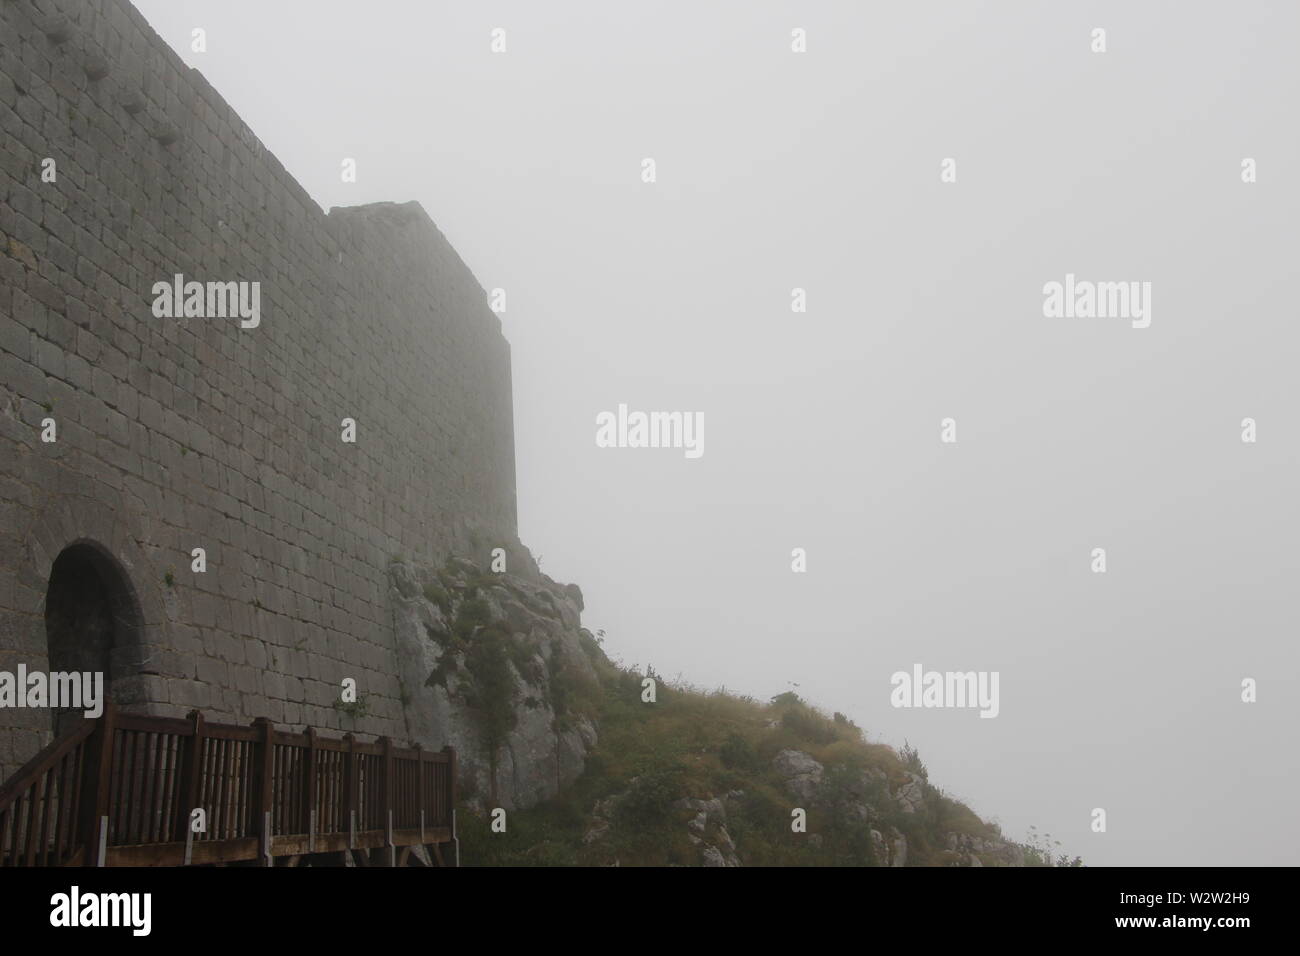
898	844
880	849
711	856
910	795
724	841
803	774
540	754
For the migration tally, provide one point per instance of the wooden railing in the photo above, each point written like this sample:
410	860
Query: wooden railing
123	790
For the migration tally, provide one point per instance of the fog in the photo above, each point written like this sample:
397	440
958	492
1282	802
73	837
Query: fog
821	171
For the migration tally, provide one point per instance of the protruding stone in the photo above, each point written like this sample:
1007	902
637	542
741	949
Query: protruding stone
911	795
803	774
165	133
56	27
95	67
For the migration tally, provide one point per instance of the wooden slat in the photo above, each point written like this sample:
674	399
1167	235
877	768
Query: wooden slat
44	836
33	817
62	813
420	806
349	802
384	796
310	793
158	777
223	786
78	759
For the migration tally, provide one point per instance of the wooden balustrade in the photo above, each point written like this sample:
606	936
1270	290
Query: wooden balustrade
123	789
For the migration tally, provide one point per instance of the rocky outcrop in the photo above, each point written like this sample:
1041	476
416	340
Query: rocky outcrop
705	824
889	850
499	666
805	779
494	665
910	794
802	774
865	797
708	829
970	850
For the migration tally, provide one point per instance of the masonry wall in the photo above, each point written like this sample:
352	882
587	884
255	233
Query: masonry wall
182	433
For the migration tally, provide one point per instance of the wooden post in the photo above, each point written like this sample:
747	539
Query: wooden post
386	794
95	783
263	786
385	774
450	751
419	787
35	831
350	787
191	773
309	791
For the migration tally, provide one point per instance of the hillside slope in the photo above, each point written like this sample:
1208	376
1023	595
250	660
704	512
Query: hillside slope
586	762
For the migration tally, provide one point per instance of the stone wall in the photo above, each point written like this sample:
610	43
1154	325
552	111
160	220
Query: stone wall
174	434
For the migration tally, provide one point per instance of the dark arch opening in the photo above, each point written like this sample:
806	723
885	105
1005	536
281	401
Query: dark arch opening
92	619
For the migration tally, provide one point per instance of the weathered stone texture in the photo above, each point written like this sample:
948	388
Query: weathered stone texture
182	433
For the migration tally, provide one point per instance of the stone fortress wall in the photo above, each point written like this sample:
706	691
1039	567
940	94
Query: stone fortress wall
179	433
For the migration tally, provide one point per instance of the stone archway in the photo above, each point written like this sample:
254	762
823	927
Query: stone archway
92	619
121	529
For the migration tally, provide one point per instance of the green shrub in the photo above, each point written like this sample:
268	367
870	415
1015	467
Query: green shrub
912	761
648	804
738	753
806	724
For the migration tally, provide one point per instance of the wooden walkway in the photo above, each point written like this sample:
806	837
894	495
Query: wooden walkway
122	790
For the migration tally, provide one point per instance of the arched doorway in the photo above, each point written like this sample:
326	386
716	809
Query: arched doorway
92	619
